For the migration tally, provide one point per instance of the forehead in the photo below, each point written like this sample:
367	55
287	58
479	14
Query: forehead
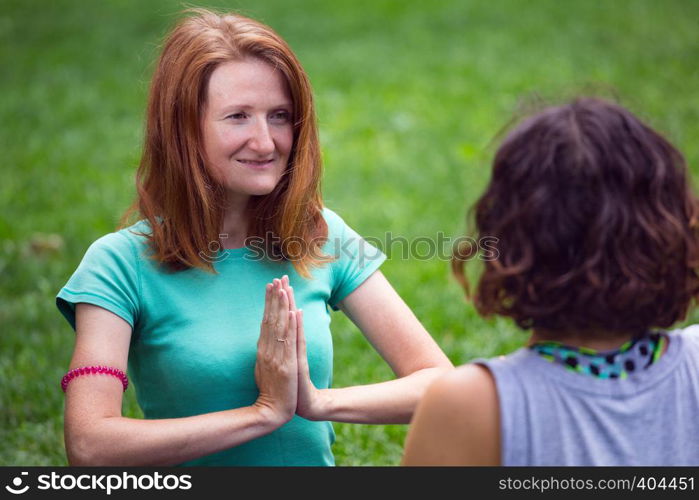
247	82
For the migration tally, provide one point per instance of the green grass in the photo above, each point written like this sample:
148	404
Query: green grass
409	95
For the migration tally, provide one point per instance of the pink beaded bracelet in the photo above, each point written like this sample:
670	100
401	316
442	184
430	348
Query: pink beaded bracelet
88	370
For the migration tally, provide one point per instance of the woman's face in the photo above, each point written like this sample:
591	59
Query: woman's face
247	126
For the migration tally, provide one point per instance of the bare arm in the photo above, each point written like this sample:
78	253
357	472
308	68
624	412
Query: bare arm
97	434
457	422
397	335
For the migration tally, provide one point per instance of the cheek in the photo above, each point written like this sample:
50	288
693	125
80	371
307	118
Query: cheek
209	143
215	171
214	143
286	141
220	140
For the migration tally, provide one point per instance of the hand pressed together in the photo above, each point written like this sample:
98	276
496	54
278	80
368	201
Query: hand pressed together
276	369
309	402
281	371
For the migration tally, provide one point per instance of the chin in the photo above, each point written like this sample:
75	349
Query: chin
253	190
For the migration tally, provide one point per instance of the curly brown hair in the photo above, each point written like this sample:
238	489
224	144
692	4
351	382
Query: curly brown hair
596	224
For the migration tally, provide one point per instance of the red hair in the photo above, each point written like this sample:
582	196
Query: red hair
177	195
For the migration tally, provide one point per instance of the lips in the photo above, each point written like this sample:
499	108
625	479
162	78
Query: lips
256	163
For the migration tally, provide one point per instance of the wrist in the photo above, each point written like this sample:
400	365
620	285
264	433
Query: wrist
268	417
321	407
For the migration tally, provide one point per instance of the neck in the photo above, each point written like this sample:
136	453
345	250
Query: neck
235	223
599	340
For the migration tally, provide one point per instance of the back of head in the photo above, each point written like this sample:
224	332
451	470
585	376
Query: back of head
595	223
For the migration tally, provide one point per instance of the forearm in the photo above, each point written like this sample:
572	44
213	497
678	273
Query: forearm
391	402
135	442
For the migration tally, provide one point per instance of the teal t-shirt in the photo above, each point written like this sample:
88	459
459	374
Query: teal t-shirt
194	340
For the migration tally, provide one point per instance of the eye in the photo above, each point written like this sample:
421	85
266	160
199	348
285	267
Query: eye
281	117
237	116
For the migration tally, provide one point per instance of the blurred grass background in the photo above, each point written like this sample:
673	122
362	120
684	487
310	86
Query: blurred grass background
410	95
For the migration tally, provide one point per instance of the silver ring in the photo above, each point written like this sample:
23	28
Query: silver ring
281	340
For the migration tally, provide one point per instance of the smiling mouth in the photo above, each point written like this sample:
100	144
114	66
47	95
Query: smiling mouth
256	163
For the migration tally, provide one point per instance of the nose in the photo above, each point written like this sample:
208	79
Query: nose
261	140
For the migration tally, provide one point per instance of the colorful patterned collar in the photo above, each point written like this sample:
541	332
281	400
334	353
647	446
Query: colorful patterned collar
635	355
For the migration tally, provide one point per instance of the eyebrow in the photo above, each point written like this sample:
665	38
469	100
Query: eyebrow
231	107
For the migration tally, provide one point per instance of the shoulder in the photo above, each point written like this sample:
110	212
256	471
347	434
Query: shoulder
341	237
108	276
339	232
336	224
465	388
457	421
338	227
691	331
687	337
124	243
329	214
119	253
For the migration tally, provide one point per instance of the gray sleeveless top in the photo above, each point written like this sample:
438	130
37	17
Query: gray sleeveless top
552	416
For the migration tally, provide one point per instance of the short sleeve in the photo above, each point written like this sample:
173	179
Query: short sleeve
106	277
355	258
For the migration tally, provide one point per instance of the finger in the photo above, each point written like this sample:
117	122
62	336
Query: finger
276	313
273	312
300	340
291	335
265	325
282	313
281	328
268	290
290	291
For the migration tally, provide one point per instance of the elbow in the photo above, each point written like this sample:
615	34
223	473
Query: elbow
79	452
427	373
427	377
438	364
431	375
83	449
88	455
444	364
429	368
439	371
439	368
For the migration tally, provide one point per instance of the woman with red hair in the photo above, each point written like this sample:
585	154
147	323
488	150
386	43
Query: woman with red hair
226	371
